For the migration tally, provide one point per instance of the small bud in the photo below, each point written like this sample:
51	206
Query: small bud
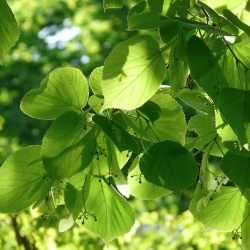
198	96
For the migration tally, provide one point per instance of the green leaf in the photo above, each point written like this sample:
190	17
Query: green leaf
196	100
168	164
197	25
233	70
241	49
64	143
108	4
73	200
8	29
150	111
237	168
236	21
134	127
171	125
120	137
115	216
204	68
145	15
63	90
170	30
228	136
233	105
96	102
141	188
200	58
66	224
21	180
223	213
95	81
178	65
109	160
204	126
245	229
129	78
219	20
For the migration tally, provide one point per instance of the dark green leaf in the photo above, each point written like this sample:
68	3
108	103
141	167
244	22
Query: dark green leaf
233	105
120	137
237	168
168	164
141	188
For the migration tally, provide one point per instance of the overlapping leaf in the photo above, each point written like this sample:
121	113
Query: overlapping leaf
196	100
21	180
224	213
236	21
218	20
237	168
95	81
63	145
233	105
171	124
141	188
204	68
204	126
145	15
120	137
168	164
114	215
178	64
228	136
129	78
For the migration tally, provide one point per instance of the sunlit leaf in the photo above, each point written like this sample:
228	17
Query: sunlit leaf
129	78
108	4
236	21
21	180
95	81
63	90
224	212
114	215
8	29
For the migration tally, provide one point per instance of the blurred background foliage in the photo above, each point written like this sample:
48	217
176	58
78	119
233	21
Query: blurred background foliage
77	33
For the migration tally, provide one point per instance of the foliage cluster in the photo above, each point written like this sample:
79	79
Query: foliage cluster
128	135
